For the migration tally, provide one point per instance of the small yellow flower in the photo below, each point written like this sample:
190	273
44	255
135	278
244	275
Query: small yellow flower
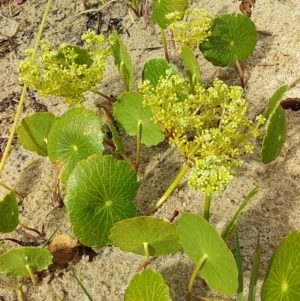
191	28
209	127
68	71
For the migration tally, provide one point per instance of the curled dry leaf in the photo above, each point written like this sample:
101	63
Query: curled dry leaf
245	7
63	248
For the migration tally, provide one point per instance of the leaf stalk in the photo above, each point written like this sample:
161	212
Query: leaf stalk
194	275
170	189
147	256
138	144
164	40
208	198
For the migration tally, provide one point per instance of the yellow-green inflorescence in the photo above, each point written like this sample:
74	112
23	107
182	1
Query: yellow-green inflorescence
68	71
209	126
191	27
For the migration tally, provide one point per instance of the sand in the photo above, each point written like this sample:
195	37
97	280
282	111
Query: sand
271	214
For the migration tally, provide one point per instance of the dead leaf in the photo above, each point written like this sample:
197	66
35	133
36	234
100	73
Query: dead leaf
63	248
291	103
245	7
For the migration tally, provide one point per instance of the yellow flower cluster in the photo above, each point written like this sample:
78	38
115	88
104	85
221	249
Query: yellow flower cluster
68	71
191	28
209	127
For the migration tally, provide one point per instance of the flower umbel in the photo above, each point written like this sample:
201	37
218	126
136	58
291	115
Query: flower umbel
68	71
209	127
191	29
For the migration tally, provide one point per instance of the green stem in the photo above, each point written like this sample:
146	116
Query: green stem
194	275
192	152
147	256
22	98
138	145
170	189
164	40
18	289
20	293
32	276
207	206
130	164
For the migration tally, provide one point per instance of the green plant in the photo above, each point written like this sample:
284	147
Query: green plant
276	128
208	125
68	71
152	237
23	262
157	288
282	278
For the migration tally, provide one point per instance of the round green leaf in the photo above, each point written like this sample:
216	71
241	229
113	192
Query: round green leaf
129	111
233	39
160	236
163	7
100	192
13	263
154	69
33	132
74	136
147	286
275	136
282	281
199	238
9	213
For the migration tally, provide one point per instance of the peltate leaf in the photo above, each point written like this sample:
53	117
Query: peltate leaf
163	7
233	39
33	132
154	69
282	281
9	213
147	286
199	238
13	263
275	136
74	136
130	112
100	192
131	234
274	101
